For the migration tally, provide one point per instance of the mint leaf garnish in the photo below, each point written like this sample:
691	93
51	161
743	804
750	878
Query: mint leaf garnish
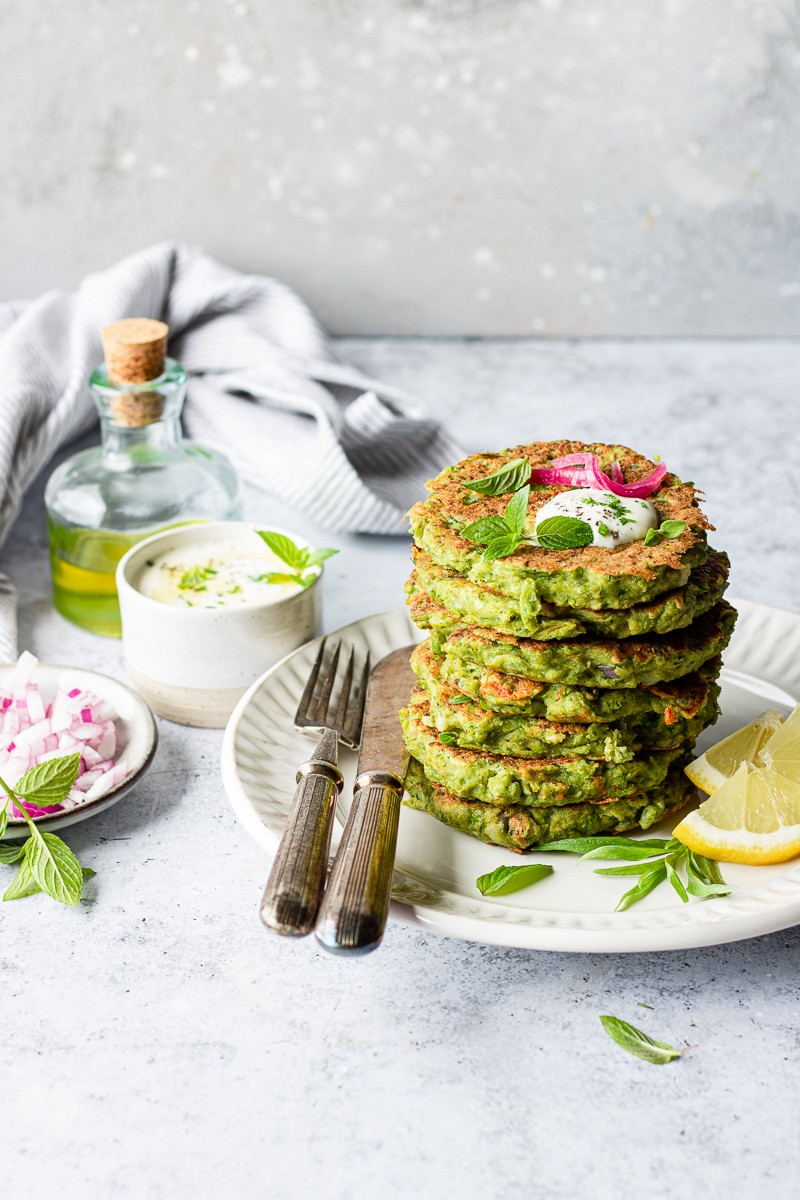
508	478
563	533
638	1043
53	866
503	880
667	529
302	559
501	535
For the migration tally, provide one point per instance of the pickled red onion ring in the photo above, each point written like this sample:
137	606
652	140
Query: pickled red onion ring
583	470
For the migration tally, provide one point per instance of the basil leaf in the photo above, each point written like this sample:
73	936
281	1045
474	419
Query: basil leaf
652	537
563	533
503	880
53	866
508	478
486	530
517	510
12	852
49	782
501	547
647	884
23	884
285	549
672	529
640	1044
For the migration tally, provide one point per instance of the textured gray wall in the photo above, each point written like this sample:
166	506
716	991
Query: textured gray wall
434	166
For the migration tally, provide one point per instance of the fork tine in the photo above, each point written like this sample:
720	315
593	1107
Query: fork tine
302	714
351	731
344	695
328	680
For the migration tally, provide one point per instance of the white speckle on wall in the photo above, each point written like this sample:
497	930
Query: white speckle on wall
421	166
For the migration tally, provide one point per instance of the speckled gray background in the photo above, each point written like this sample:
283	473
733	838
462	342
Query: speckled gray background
432	166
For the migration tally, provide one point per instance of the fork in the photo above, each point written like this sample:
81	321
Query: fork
333	708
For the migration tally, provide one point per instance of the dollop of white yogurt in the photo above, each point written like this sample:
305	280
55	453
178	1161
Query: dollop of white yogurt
614	520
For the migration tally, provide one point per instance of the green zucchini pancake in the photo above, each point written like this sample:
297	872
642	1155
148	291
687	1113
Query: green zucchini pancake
577	620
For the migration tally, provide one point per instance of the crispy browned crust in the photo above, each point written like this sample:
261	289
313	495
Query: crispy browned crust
674	500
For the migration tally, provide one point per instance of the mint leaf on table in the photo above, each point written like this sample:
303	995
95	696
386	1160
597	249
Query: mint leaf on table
638	1043
508	478
503	880
563	533
50	781
46	862
23	884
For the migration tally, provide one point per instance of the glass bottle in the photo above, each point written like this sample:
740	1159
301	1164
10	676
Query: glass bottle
142	478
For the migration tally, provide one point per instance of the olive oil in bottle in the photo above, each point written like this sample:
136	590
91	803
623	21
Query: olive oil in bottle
142	478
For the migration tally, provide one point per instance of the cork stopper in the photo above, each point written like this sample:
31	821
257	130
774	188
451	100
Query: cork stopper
135	350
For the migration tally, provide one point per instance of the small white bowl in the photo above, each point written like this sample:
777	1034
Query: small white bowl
193	664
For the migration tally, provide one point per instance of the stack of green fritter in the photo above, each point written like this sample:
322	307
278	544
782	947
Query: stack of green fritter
561	690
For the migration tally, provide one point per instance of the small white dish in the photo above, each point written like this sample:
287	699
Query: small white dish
436	867
137	737
192	665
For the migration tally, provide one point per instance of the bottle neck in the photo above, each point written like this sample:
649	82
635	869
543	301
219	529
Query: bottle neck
139	422
124	445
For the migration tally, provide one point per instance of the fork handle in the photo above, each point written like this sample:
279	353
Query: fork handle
356	904
296	882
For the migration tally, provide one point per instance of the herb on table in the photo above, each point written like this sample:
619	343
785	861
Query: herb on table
509	478
638	1043
563	533
501	535
503	880
654	861
301	559
46	863
667	529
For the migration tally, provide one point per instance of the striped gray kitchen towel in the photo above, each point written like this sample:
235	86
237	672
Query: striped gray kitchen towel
265	386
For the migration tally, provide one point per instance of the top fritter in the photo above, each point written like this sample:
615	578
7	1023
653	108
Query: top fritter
557	541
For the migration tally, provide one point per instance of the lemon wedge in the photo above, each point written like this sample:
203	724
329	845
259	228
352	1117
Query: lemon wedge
753	812
745	745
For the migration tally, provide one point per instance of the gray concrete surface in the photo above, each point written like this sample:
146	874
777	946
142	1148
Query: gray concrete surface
158	1045
420	166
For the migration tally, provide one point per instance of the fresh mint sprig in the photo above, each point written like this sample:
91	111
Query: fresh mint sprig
509	478
667	529
637	1042
501	535
46	863
654	861
301	559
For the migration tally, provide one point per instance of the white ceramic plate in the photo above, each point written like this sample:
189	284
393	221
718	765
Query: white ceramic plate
137	737
436	867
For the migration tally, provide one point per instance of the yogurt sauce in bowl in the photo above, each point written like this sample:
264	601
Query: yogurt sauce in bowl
213	574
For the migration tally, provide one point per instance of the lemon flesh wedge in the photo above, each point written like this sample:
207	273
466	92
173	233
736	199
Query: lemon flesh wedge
745	745
753	812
